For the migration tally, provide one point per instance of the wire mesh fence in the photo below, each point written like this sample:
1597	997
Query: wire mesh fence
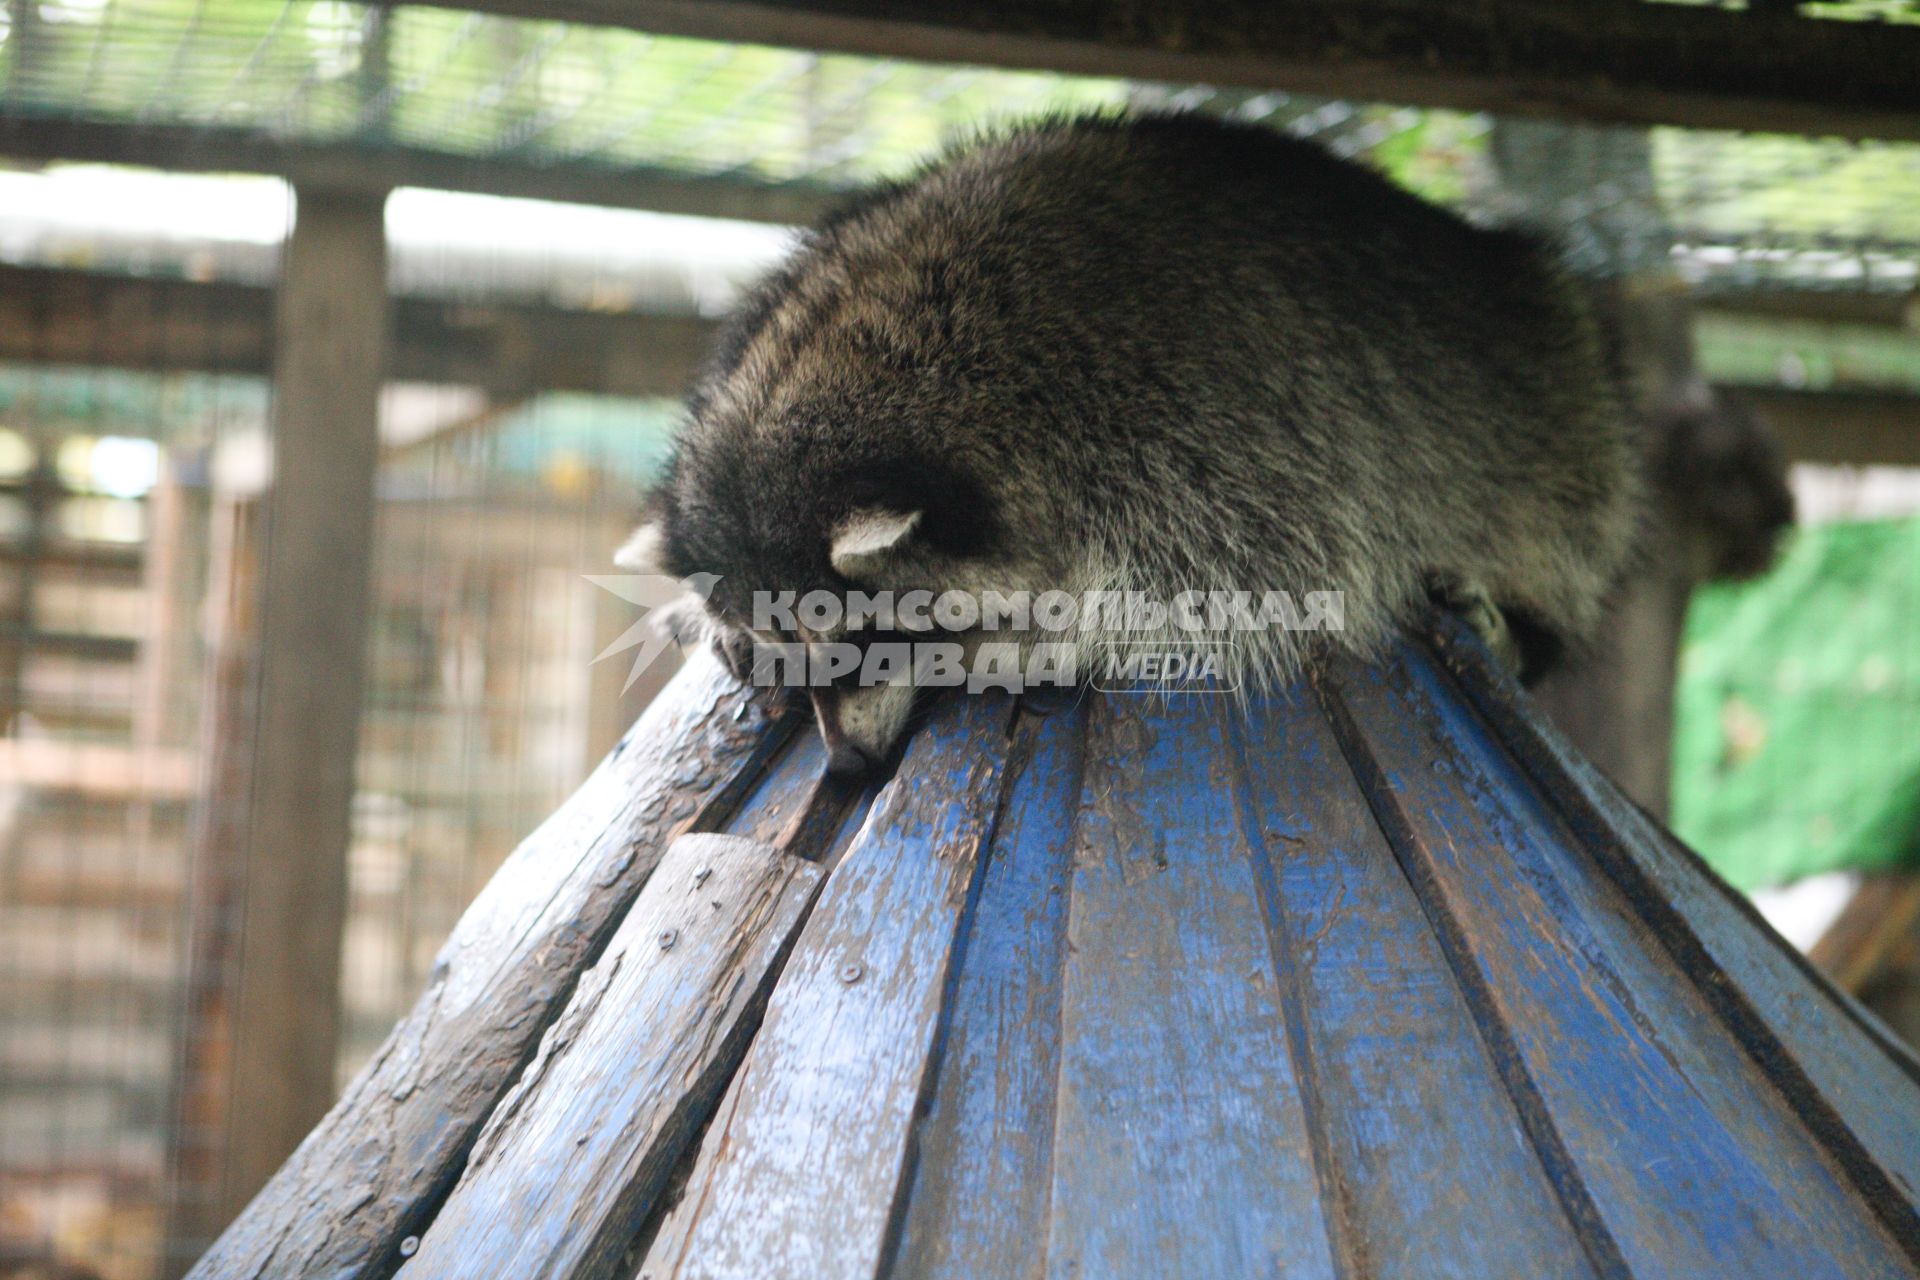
129	495
107	565
129	528
562	96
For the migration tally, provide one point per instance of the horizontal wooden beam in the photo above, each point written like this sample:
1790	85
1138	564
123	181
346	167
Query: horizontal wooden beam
374	168
1842	428
58	316
1885	309
1601	60
98	770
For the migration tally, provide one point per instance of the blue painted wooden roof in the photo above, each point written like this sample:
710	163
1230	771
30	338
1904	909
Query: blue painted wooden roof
1372	978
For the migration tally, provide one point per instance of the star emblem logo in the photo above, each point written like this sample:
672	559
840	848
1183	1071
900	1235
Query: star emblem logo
650	591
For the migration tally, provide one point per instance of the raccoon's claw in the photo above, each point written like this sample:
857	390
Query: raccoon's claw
1477	609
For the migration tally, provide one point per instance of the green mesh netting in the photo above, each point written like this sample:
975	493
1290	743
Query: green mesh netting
1797	736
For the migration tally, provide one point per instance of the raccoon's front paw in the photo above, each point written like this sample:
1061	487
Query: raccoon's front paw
1477	609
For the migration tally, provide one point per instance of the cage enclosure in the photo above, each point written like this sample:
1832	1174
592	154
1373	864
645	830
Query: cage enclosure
266	730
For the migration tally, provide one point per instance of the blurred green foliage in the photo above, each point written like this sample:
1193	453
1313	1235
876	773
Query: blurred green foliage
1797	728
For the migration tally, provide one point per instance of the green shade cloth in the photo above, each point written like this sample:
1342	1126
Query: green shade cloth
1797	734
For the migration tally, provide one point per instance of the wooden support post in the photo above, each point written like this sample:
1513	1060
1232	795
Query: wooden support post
330	348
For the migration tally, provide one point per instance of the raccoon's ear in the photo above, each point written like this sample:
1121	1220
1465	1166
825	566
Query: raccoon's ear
645	551
866	541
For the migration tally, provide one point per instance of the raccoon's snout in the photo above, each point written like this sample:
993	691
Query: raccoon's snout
860	724
848	761
845	759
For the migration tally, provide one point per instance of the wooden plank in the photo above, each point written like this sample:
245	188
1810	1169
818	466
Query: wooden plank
51	315
565	1170
1852	1082
782	810
1863	944
1841	427
377	1168
1628	63
1426	1147
1183	1143
72	644
509	348
102	562
1883	308
798	807
347	167
60	316
330	347
814	1156
979	1201
663	1243
99	769
1552	961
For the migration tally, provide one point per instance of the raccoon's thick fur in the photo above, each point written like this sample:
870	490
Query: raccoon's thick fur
1155	354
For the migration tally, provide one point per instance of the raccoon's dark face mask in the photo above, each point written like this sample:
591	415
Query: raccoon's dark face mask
861	718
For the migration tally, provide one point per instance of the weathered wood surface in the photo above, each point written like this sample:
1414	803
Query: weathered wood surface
1851	1082
378	1166
1424	1148
1629	63
1560	974
1368	978
562	1174
816	1145
1183	1136
788	809
978	1204
795	805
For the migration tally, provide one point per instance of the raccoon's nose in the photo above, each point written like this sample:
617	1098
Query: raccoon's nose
844	760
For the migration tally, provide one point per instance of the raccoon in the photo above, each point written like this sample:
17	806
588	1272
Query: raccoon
1720	477
1152	353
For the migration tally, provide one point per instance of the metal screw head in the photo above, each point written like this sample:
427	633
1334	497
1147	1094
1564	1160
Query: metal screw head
852	972
667	938
409	1246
